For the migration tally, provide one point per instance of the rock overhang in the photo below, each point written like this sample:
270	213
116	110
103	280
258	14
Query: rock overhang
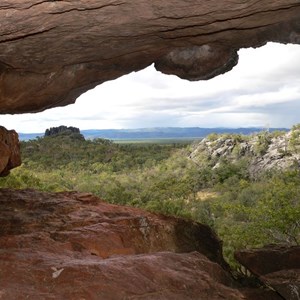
53	51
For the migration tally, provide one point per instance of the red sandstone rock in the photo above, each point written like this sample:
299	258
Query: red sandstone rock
277	266
52	51
74	246
10	156
80	222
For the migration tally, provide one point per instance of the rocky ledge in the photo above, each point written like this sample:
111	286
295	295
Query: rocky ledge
75	246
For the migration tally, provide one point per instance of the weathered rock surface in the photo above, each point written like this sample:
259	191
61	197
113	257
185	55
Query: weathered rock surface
264	151
73	246
52	51
277	266
10	156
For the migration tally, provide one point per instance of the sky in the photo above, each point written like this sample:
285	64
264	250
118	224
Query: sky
263	90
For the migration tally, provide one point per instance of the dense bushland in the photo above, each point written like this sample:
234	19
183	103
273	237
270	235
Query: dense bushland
245	212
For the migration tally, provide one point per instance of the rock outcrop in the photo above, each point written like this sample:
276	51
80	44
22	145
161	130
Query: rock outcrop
61	129
265	151
277	266
63	132
10	156
53	51
74	246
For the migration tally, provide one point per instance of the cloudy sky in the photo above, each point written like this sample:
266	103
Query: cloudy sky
262	90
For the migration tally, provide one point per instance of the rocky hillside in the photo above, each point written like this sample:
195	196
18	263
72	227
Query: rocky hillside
263	151
75	246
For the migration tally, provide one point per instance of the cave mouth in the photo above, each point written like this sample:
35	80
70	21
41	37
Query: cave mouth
53	51
255	91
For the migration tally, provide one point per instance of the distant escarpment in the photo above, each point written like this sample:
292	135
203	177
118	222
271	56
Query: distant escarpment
261	152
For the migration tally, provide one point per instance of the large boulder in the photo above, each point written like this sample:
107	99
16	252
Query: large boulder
74	246
277	266
10	156
53	51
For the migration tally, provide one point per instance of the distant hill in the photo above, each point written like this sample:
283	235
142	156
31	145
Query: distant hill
29	136
157	133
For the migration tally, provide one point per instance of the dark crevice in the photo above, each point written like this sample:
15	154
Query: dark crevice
42	2
7	7
5	66
87	9
27	35
225	20
214	32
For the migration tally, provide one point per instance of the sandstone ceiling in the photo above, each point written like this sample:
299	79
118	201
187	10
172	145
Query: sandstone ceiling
53	51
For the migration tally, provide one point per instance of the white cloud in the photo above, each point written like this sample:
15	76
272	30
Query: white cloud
262	89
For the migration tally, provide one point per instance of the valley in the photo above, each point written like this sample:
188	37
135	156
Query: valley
213	181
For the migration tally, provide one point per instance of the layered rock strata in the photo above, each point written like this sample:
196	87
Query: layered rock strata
53	51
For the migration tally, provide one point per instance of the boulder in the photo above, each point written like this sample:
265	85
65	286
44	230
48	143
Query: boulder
75	246
10	156
277	266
